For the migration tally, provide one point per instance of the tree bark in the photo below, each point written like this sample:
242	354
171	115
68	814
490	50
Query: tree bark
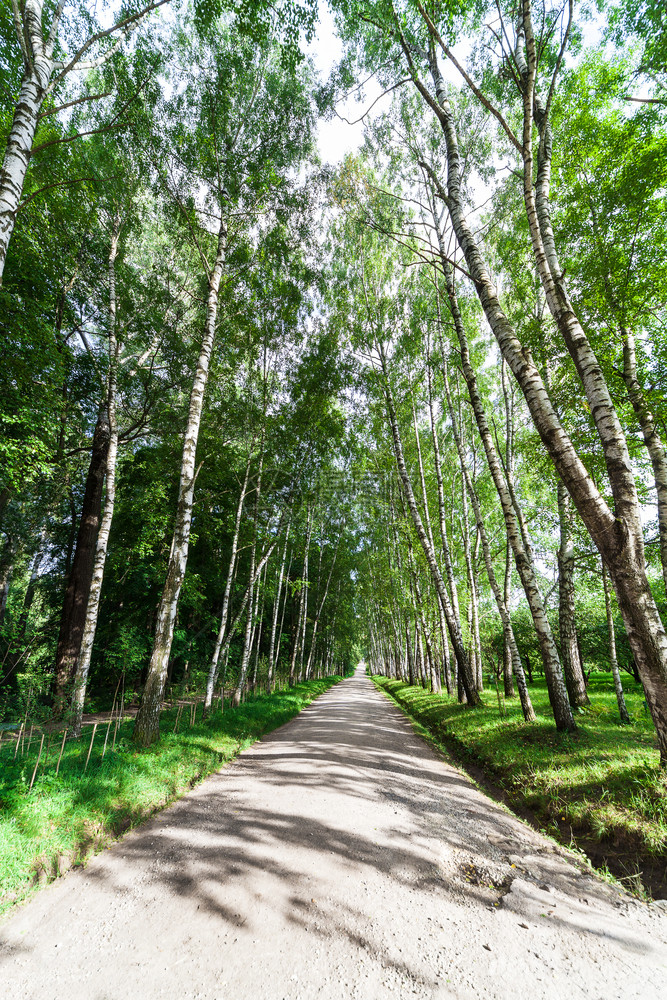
247	638
569	645
34	88
427	515
552	668
300	620
508	631
95	594
508	398
147	724
613	660
453	623
214	665
320	607
617	534
73	617
253	586
6	570
438	470
40	74
276	608
449	569
654	445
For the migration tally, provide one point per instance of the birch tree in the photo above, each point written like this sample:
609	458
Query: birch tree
245	128
533	75
52	47
93	602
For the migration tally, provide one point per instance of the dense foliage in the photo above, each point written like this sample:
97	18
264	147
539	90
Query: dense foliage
260	418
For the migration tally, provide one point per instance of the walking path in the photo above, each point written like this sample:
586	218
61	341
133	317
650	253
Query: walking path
339	857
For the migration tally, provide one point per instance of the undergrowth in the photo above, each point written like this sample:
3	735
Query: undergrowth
69	816
602	782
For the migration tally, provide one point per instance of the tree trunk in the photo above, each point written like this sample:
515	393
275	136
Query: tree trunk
77	594
427	515
472	589
19	145
304	595
455	610
304	584
508	631
552	668
282	616
147	724
95	594
320	606
617	535
569	645
453	623
276	608
253	584
654	445
436	461
509	465
613	660
6	569
214	665
247	638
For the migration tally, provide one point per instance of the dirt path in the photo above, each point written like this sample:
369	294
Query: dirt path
337	858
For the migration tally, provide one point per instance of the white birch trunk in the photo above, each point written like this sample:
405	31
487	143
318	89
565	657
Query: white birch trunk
93	606
613	659
276	657
501	603
509	465
247	638
300	620
147	724
574	672
553	672
320	608
654	445
276	607
41	74
34	88
214	666
453	622
253	585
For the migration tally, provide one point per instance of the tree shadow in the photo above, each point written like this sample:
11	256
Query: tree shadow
266	842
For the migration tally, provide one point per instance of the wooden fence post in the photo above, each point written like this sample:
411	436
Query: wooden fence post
62	747
91	746
41	747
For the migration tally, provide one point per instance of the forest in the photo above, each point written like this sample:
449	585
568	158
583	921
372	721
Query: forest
264	417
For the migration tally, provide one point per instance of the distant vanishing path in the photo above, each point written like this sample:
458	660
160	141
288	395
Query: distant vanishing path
337	858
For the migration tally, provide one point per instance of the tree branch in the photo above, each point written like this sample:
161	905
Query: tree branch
70	104
19	32
79	135
126	25
384	93
468	79
47	187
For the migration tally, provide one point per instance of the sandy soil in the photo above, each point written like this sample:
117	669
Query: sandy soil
340	857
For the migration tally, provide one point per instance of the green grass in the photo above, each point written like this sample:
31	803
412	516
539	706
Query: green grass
602	783
67	817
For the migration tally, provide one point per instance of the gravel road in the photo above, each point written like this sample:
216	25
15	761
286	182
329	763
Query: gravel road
339	857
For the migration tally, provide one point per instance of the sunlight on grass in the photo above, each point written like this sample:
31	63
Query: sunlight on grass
67	817
603	781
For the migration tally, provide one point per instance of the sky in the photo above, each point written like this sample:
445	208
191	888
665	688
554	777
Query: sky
336	137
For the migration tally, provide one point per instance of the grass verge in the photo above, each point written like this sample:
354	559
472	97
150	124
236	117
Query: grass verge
600	789
67	817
